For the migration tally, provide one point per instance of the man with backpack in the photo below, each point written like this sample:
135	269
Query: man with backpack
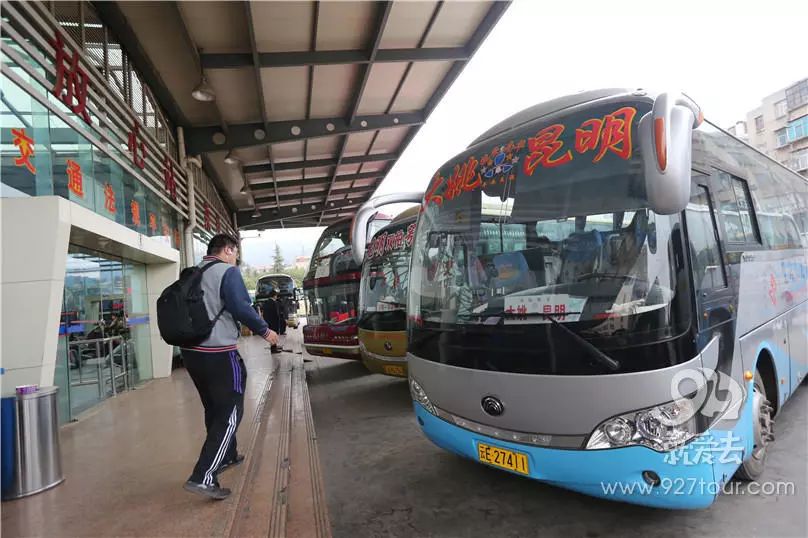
200	313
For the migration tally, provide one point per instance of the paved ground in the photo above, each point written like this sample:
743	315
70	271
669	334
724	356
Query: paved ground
383	478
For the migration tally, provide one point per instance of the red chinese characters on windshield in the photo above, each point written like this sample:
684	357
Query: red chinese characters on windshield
387	242
611	133
551	147
544	149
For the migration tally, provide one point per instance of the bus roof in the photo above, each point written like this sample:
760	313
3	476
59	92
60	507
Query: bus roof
275	275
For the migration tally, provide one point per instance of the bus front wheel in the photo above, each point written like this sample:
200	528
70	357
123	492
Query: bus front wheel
763	432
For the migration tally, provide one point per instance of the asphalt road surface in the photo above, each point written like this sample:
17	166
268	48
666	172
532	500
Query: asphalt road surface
384	478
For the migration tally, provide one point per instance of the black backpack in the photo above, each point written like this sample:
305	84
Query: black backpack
181	313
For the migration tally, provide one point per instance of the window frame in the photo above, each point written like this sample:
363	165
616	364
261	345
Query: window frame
759	125
781	108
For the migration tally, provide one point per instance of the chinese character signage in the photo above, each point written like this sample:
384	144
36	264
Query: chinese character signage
168	178
392	240
71	83
75	181
137	147
134	206
25	144
550	147
109	198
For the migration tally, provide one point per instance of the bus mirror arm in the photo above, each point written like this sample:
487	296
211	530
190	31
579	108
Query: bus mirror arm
666	135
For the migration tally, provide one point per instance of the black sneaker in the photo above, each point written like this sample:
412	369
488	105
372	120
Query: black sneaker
231	463
215	492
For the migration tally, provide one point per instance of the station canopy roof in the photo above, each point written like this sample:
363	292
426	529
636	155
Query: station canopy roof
314	101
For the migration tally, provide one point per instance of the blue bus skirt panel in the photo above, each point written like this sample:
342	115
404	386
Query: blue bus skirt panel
691	480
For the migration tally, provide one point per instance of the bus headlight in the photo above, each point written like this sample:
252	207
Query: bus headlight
419	395
662	428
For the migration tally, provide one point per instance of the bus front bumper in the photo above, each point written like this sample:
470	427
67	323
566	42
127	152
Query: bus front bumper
336	351
614	474
380	364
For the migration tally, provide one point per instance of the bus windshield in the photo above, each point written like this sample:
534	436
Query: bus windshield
385	278
333	304
283	284
332	240
502	259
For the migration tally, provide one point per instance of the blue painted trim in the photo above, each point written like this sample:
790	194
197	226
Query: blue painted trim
585	471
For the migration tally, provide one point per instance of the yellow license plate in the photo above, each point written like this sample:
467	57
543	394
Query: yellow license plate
500	457
327	351
391	369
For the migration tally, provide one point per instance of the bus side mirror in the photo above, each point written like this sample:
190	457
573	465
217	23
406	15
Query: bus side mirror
666	137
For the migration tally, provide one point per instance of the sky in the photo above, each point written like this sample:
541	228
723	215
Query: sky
726	55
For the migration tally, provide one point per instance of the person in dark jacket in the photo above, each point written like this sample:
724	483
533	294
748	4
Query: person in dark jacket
216	367
282	313
272	315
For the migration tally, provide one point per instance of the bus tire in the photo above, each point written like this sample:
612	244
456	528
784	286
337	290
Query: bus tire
763	432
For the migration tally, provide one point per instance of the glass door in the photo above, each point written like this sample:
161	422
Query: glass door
104	342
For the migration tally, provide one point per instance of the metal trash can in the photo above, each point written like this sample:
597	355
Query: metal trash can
38	461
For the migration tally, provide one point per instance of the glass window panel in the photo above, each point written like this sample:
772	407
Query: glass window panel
24	144
728	206
708	272
73	171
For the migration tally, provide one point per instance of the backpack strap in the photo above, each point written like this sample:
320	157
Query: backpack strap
202	270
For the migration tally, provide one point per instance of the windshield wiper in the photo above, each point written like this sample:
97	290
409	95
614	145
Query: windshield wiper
603	358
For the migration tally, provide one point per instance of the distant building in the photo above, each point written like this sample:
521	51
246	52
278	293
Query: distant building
302	262
739	131
779	126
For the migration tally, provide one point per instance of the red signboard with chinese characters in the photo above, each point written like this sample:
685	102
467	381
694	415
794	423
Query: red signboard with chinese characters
71	82
168	178
25	144
109	199
137	147
75	180
134	206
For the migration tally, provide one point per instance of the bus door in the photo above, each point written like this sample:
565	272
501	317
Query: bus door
714	297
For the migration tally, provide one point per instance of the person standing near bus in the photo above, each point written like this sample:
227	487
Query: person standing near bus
216	367
271	311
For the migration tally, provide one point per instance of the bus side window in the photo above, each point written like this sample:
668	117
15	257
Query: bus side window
708	270
735	205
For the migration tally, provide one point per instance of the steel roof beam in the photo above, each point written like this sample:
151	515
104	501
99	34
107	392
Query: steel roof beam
317	163
262	203
204	139
382	15
259	87
311	181
270	216
333	57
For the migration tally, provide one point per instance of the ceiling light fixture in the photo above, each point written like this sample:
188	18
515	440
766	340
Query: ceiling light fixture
203	91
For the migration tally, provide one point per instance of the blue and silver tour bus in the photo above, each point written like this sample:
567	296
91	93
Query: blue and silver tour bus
608	293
